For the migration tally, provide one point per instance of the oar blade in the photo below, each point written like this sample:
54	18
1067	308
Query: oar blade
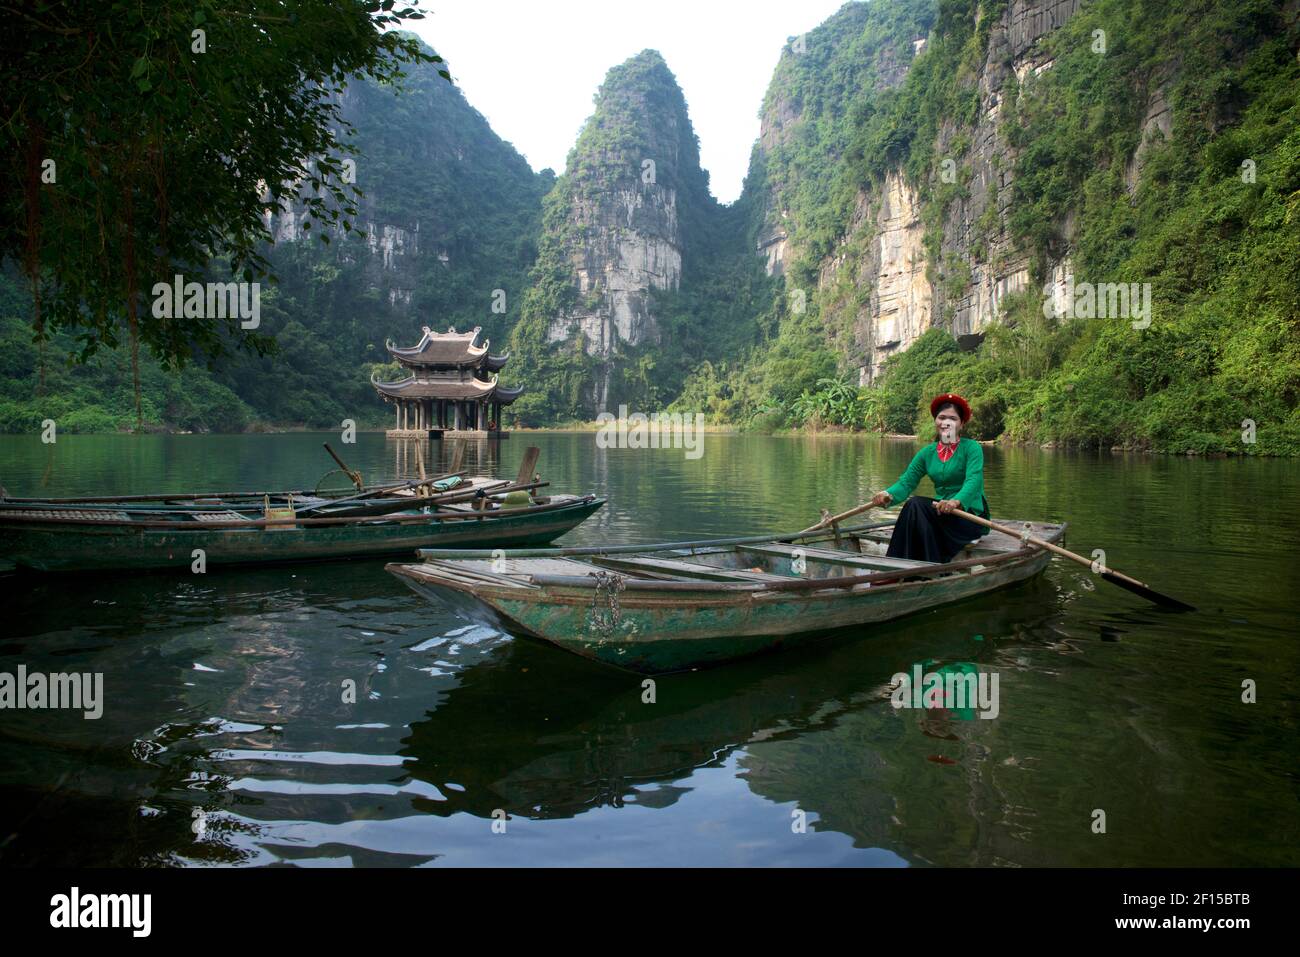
1150	594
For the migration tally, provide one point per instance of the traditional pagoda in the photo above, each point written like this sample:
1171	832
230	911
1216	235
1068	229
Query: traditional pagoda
452	387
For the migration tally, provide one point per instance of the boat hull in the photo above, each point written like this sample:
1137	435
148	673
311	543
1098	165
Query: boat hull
657	634
51	547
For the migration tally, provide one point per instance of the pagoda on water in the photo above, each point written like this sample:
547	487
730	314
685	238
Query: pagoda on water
452	388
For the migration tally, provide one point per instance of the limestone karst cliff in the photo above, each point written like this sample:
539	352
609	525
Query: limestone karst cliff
632	205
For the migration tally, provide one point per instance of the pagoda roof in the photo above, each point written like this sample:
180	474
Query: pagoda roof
450	348
418	388
496	363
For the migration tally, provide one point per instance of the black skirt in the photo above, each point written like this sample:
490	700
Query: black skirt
922	534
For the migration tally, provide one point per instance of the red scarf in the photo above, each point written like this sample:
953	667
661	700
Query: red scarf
945	451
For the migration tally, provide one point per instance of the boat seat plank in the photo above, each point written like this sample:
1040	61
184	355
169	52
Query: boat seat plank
471	576
80	514
678	569
831	557
226	516
526	566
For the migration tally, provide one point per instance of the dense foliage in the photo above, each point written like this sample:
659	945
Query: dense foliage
1217	237
426	163
1208	216
1213	224
152	138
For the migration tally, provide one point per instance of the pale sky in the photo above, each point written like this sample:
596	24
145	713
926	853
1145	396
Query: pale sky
531	68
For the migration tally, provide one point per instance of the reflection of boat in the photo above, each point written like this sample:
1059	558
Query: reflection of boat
673	606
600	744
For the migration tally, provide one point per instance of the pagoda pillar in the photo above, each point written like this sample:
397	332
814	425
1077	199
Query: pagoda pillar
397	407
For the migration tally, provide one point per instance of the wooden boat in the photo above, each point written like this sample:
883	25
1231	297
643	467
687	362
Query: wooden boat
99	535
678	605
169	530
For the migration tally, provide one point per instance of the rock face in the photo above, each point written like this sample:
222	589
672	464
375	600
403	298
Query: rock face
636	161
894	269
805	119
903	285
904	289
908	290
439	191
631	244
623	212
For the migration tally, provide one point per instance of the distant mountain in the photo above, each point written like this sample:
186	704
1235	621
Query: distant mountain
626	221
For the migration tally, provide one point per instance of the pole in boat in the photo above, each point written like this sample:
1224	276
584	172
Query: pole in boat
355	476
836	519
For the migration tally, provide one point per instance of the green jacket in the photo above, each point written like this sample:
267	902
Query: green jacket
961	477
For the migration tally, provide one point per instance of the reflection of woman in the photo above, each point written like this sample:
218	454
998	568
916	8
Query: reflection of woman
956	466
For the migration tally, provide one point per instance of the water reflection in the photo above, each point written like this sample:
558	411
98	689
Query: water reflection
324	715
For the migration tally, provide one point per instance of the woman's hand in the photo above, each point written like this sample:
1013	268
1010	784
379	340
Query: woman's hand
947	505
881	498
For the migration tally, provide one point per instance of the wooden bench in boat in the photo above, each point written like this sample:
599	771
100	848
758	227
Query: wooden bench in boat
831	557
676	569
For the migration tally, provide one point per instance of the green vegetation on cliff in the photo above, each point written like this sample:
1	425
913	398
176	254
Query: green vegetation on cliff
1212	224
1208	217
468	209
608	192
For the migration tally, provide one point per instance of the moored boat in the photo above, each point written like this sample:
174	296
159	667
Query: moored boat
173	531
679	605
105	539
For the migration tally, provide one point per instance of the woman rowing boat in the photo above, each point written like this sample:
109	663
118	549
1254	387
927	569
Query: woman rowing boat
956	467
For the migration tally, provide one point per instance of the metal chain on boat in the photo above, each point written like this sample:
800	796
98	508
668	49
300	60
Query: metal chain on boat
609	584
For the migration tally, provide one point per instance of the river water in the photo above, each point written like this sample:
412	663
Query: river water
225	737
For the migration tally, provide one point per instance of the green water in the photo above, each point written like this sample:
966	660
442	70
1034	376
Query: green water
224	705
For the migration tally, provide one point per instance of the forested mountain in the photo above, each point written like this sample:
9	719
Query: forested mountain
627	295
1085	216
967	227
449	214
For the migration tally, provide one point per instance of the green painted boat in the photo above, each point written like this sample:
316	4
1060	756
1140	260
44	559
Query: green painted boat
674	606
98	538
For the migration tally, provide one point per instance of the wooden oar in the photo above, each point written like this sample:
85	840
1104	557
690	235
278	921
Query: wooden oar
836	519
355	476
375	491
457	456
1110	575
527	466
